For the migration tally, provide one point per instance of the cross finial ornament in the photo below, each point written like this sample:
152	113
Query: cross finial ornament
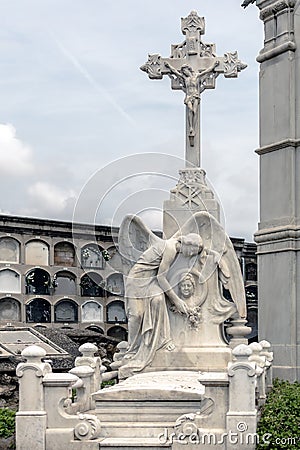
193	67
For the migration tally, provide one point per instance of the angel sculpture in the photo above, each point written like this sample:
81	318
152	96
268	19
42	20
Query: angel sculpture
204	245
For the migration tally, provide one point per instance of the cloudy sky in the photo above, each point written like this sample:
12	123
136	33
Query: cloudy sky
78	117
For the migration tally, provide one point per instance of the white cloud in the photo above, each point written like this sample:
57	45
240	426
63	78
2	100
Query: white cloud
16	158
48	199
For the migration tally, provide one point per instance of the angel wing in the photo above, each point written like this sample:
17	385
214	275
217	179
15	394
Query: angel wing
134	239
217	244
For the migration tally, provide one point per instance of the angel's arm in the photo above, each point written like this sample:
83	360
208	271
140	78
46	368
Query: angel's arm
167	259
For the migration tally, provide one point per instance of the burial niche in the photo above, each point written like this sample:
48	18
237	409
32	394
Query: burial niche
114	259
118	333
251	272
10	281
10	310
38	282
64	254
64	283
38	311
116	312
66	311
92	312
115	284
91	256
251	293
9	250
91	285
37	253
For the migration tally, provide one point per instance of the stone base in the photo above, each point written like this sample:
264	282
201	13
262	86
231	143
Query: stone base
206	359
150	410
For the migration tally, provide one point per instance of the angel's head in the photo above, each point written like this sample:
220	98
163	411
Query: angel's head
191	244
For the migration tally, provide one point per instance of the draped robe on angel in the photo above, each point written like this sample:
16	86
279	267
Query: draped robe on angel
146	305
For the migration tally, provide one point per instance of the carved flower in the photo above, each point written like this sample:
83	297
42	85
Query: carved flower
194	317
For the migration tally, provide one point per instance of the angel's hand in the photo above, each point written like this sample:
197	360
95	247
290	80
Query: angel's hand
181	306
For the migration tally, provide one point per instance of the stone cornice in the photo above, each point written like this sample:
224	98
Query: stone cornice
286	143
283	233
278	50
276	8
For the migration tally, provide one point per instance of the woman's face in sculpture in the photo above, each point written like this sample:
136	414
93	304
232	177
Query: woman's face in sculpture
186	288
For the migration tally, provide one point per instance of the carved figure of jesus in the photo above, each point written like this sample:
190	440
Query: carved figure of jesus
191	83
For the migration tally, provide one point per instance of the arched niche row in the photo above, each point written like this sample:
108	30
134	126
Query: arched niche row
10	310
9	250
115	284
38	311
38	282
64	283
66	311
64	254
37	253
91	285
251	271
91	257
116	312
10	281
92	312
117	332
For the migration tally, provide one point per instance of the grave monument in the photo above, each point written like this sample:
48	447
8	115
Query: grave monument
179	381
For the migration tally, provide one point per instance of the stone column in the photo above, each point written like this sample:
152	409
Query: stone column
241	417
279	227
31	419
89	359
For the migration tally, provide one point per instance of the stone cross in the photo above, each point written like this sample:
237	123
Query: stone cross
193	67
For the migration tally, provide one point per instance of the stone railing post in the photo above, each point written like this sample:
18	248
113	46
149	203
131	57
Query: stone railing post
89	359
241	417
268	354
260	362
58	397
31	419
86	388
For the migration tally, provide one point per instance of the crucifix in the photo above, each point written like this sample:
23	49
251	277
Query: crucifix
193	67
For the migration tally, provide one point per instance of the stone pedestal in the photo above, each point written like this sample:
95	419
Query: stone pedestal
279	228
191	194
